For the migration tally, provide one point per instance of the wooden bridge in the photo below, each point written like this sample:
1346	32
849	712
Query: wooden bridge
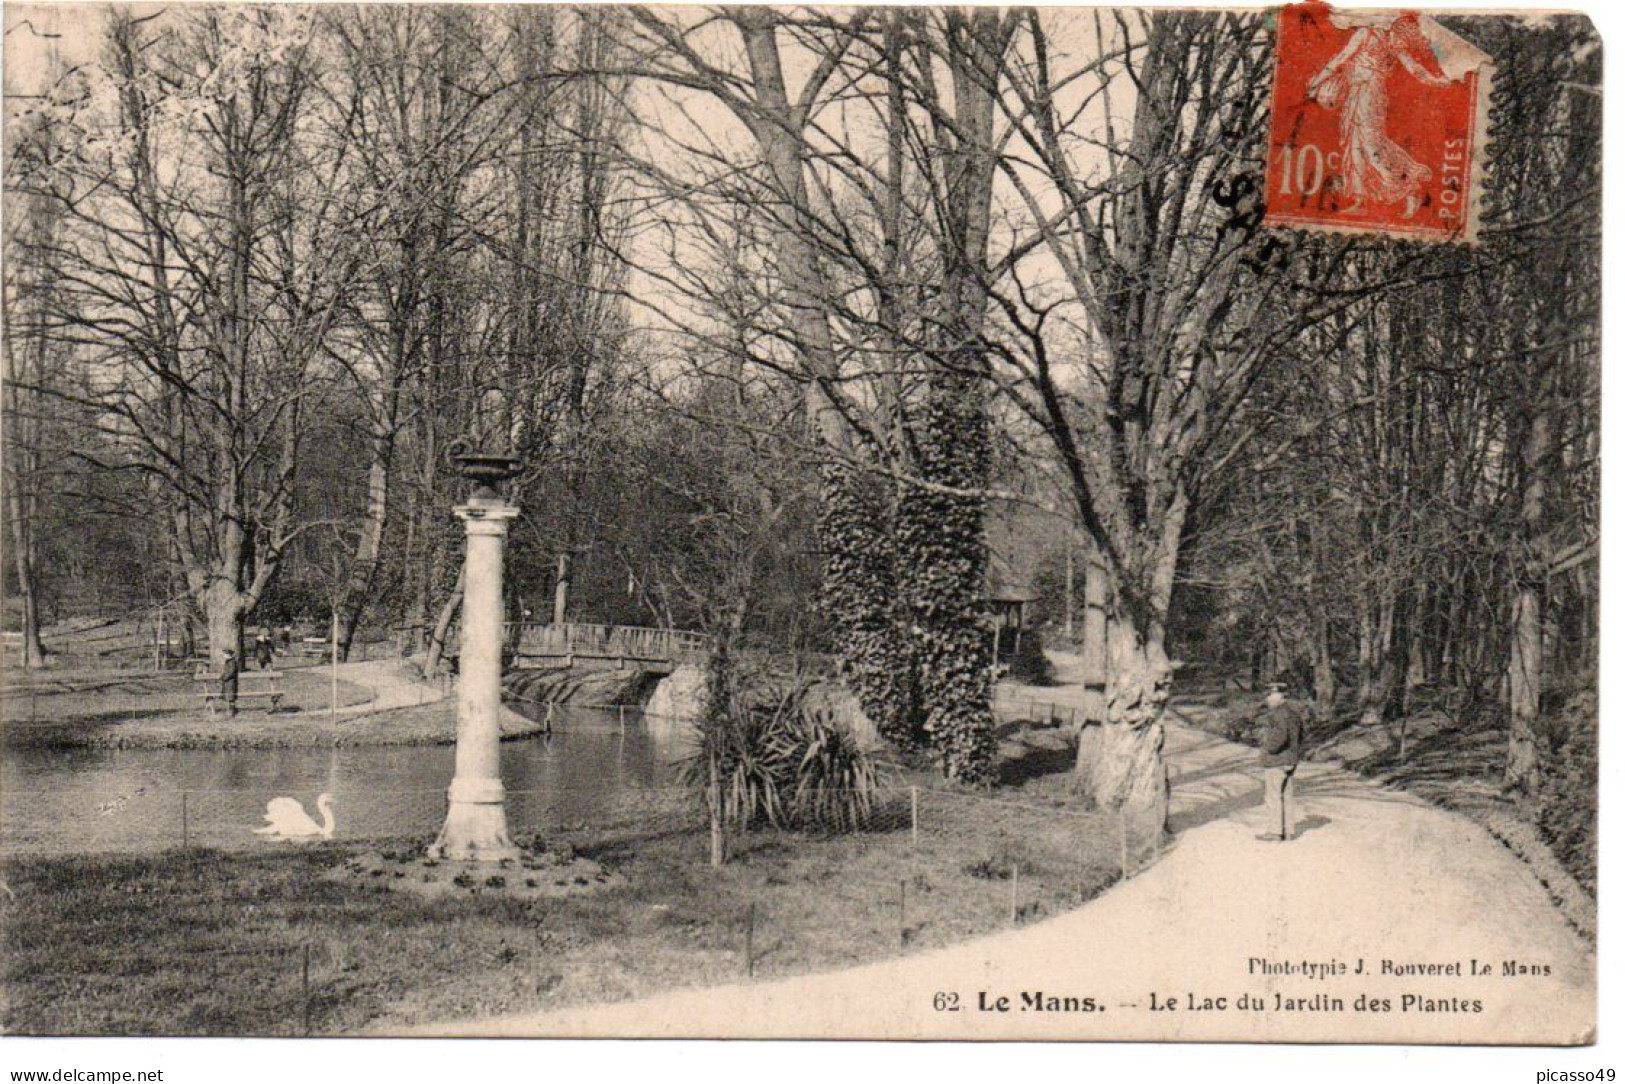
543	646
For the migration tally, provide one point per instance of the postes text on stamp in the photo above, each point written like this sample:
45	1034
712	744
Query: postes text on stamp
1377	124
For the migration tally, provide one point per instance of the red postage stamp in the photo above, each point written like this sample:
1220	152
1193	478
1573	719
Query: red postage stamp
1377	124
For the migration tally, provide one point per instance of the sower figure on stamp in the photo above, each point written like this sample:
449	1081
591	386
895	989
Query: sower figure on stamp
1280	744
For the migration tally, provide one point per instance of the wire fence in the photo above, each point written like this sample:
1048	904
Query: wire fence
924	865
933	862
62	822
1010	706
92	814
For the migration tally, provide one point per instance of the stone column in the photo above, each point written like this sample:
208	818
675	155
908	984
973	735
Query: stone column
476	825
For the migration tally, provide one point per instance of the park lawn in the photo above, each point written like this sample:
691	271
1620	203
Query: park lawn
434	723
113	708
207	942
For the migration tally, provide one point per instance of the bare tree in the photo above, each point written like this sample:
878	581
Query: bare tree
204	258
1545	183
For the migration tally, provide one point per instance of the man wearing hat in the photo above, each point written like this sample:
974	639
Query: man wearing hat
1280	745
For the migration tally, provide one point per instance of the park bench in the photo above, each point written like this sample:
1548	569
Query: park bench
252	685
315	647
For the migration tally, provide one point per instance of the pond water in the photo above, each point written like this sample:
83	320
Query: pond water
591	771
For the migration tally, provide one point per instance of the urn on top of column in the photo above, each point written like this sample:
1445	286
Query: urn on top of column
484	468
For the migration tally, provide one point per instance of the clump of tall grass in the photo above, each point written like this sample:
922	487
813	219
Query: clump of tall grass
776	761
834	784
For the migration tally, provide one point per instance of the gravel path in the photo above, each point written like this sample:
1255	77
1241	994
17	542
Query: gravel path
393	685
1375	876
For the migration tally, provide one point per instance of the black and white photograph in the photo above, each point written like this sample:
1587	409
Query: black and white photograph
763	522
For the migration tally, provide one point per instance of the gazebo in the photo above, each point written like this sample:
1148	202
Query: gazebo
1008	604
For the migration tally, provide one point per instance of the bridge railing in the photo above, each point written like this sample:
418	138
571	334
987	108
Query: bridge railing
618	641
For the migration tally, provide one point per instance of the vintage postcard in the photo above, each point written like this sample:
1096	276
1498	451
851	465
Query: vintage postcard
1067	523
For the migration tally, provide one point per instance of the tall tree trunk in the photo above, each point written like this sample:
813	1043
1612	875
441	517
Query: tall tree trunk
369	546
943	531
442	628
22	546
24	358
1526	661
859	593
1120	763
863	598
1366	656
21	510
1096	596
561	591
1396	669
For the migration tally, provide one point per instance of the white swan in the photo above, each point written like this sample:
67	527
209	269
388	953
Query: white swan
285	818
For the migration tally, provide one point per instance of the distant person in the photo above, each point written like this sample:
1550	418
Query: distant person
1280	745
230	667
263	649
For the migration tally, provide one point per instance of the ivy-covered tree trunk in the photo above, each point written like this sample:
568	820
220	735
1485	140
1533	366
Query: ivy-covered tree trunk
861	602
943	542
942	522
860	598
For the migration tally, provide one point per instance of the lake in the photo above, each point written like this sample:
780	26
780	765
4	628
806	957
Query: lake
590	772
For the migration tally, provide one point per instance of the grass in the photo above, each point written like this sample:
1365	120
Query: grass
214	943
130	708
88	705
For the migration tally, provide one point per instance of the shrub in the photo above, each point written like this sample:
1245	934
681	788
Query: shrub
729	770
1029	664
835	782
1567	800
779	762
1238	719
290	602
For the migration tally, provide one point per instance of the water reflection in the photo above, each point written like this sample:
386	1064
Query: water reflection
591	770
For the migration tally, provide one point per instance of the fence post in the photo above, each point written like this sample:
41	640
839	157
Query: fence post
184	826
914	816
902	912
304	986
1015	880
750	939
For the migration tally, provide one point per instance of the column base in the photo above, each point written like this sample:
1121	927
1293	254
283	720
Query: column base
476	828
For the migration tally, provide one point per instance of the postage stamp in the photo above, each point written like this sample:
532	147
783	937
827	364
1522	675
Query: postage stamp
1378	124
